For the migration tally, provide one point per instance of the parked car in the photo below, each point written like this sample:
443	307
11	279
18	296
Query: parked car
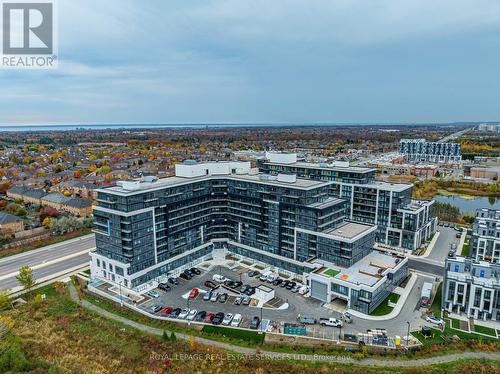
303	290
283	284
183	314
236	320
200	316
435	320
237	284
195	271
271	278
253	273
210	284
227	319
192	314
164	287
296	289
209	318
194	292
223	298
185	276
155	308
451	253
246	300
238	300
214	297
166	311
330	322
307	320
255	323
219	278
263	277
219	317
153	294
277	282
207	295
175	313
229	283
244	288
290	285
173	280
250	291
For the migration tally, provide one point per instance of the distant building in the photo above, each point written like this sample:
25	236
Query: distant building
420	150
78	207
485	172
489	127
10	224
472	288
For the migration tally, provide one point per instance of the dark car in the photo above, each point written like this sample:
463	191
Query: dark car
175	313
253	273
188	272
237	284
195	271
200	316
165	287
210	284
290	285
223	298
244	288
229	283
284	284
218	318
255	323
185	276
277	282
250	291
173	280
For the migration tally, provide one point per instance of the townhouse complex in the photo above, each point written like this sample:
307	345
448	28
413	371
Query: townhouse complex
472	285
148	228
420	150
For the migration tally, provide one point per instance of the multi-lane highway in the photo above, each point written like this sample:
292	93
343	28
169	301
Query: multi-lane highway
47	261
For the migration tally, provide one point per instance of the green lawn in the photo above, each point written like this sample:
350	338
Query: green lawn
484	330
466	249
394	297
455	323
331	272
436	304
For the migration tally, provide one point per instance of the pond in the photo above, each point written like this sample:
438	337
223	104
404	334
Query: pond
470	204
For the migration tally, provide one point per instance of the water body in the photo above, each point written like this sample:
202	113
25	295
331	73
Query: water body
470	205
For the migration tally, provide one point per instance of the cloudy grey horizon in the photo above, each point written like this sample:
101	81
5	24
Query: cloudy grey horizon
287	61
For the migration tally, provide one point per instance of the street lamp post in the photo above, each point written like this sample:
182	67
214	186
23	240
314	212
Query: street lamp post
340	334
408	335
261	318
121	299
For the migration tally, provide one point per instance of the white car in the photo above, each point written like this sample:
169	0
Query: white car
191	315
183	314
153	294
219	278
303	290
227	319
236	320
435	320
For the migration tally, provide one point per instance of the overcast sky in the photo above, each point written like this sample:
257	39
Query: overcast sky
290	61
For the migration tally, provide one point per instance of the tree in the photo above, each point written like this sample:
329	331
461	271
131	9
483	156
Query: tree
25	277
5	302
46	222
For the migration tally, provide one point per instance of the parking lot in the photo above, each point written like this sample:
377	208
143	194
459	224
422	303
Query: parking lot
275	310
447	237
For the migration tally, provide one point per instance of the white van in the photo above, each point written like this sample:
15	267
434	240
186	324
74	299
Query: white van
219	278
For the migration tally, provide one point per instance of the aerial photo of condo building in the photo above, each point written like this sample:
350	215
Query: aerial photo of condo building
234	187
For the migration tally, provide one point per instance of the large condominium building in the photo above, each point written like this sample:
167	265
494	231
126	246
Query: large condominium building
485	241
402	222
472	288
420	150
148	228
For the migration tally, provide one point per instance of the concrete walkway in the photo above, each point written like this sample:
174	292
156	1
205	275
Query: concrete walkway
291	356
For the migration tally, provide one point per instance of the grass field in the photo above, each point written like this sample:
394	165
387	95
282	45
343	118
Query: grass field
485	330
331	272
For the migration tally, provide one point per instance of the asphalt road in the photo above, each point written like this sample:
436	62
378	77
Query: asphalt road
47	261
